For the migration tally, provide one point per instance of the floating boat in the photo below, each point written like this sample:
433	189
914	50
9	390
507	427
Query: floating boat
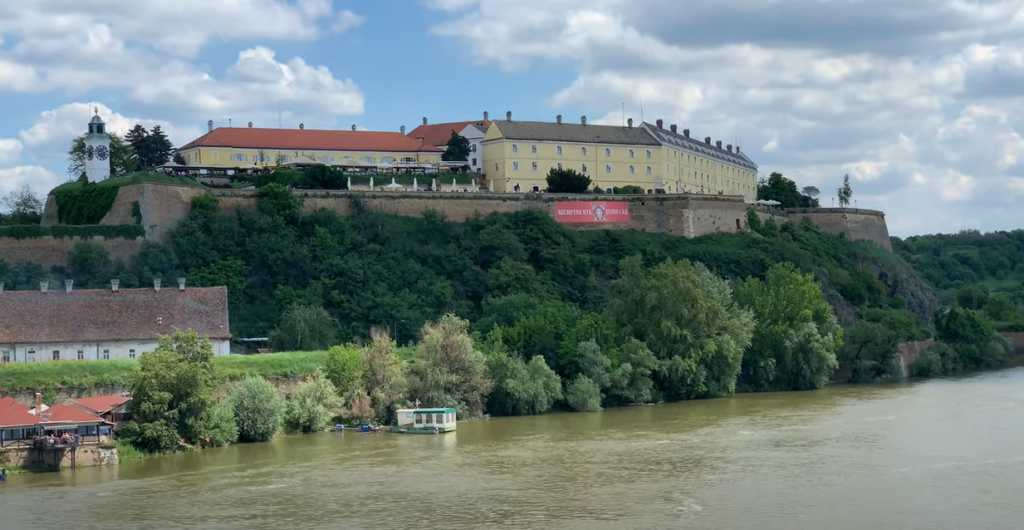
424	421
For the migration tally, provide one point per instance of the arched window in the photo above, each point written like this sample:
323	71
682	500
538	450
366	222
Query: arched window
327	159
369	160
388	160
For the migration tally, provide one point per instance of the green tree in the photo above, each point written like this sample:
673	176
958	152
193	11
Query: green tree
567	181
151	148
178	158
796	336
845	192
219	426
583	395
458	149
122	157
24	207
385	379
89	263
258	409
870	352
686	316
312	404
323	178
304	328
345	368
274	200
779	188
631	380
448	370
172	395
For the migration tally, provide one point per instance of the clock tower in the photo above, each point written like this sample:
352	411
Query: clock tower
97	150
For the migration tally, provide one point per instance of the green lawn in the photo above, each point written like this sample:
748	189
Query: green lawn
88	374
135	178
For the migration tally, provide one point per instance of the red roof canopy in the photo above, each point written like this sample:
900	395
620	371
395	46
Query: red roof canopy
310	139
440	133
68	413
101	404
14	414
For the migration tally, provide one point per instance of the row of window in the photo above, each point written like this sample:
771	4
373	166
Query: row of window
326	159
439	418
583	151
585	168
56	355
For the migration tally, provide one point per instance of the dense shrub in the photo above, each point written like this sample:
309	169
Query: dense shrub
312	405
583	395
258	409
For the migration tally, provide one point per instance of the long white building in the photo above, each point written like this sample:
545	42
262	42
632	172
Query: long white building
107	324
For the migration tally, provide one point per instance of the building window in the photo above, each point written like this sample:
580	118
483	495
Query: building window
632	153
474	162
558	150
6	357
648	170
533	149
438	418
369	160
515	165
56	355
239	158
408	160
131	354
285	159
632	170
106	354
388	160
648	153
419	419
584	168
216	155
534	166
81	355
515	148
327	159
584	151
607	151
608	169
559	166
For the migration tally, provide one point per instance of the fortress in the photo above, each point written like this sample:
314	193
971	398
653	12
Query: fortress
163	206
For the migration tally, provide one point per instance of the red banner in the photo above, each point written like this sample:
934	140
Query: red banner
592	212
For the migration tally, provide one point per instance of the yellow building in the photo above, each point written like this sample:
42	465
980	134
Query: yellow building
517	156
228	147
690	165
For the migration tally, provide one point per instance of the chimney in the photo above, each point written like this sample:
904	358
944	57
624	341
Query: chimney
707	140
353	126
302	126
660	124
558	119
209	126
156	284
583	120
68	285
718	144
673	128
402	130
181	284
44	286
629	123
737	149
114	284
508	115
487	117
424	120
39	403
686	133
250	125
728	148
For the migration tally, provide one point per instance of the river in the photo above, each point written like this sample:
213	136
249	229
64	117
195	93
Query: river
936	455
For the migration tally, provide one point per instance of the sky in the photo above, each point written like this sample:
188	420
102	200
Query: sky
918	101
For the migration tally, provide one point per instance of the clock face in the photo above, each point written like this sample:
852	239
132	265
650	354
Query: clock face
88	152
101	153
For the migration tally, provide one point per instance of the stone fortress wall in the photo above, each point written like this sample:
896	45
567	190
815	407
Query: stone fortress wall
164	206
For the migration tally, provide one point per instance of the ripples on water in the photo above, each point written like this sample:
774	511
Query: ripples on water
936	455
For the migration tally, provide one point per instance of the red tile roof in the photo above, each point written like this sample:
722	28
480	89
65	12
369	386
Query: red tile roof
101	404
14	414
69	413
440	133
309	139
102	315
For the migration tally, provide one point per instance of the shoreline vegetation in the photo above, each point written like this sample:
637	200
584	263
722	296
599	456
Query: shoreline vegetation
513	314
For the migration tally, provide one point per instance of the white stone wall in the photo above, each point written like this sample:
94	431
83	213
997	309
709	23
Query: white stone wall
89	351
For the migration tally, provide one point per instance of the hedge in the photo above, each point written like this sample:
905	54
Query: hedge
81	231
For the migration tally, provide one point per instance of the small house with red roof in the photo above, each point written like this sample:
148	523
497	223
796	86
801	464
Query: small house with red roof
113	408
107	324
60	425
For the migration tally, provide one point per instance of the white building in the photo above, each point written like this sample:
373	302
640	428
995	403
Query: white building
106	324
97	150
475	134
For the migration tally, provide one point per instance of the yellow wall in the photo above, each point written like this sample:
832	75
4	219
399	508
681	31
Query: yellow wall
221	157
678	170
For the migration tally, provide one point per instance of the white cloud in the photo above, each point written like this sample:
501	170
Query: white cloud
918	101
347	20
10	151
40	179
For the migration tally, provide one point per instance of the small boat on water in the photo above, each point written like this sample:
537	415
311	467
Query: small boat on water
362	428
424	421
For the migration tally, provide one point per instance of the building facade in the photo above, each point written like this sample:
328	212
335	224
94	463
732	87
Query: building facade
248	147
107	324
439	134
517	155
689	165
